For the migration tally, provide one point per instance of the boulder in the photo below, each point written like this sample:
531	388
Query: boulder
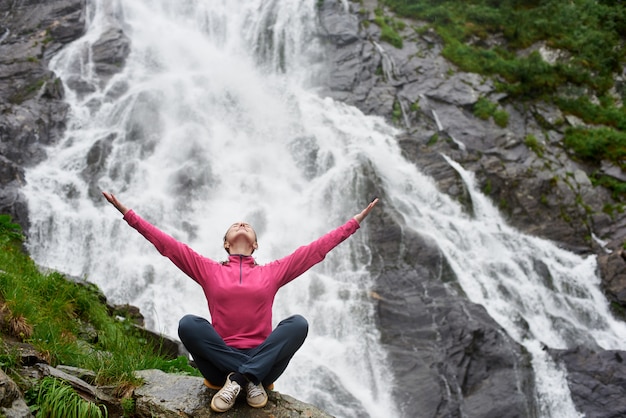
12	404
613	269
167	395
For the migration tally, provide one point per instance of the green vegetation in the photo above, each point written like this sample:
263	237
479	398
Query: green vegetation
58	399
596	145
389	28
433	139
488	187
485	109
9	231
533	143
396	114
589	31
501	118
68	323
26	92
128	406
500	39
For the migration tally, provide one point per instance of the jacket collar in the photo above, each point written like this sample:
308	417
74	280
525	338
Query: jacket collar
240	258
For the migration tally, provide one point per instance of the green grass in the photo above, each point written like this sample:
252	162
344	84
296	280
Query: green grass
68	322
56	399
485	109
389	28
533	143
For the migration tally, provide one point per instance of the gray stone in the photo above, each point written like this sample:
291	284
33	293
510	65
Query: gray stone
339	28
168	395
449	357
12	403
597	380
33	114
110	53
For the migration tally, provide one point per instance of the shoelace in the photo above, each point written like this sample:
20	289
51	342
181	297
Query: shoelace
254	390
230	392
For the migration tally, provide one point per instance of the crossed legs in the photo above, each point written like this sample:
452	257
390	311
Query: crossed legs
262	364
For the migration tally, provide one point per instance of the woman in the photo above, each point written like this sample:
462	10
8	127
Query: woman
239	349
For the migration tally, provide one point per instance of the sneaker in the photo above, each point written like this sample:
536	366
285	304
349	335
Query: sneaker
256	397
226	397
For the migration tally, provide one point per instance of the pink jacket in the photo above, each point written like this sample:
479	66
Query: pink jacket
240	293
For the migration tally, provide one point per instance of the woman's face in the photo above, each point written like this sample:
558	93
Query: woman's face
240	231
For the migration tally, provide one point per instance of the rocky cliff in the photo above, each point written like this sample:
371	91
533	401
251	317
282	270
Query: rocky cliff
449	357
32	109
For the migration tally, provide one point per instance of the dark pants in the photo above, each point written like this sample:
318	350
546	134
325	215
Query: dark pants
264	363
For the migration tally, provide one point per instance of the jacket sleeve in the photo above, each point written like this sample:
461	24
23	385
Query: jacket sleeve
186	259
288	268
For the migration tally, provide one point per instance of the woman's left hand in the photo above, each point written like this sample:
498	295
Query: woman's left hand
360	216
113	200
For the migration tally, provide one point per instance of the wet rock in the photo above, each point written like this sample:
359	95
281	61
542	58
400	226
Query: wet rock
110	53
597	380
449	358
32	113
613	269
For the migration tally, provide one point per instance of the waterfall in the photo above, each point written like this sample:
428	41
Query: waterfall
210	121
214	119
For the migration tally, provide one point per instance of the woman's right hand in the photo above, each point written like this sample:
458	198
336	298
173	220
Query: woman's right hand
113	200
361	215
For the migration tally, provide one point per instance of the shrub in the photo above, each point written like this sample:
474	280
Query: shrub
484	108
389	35
598	144
501	118
533	143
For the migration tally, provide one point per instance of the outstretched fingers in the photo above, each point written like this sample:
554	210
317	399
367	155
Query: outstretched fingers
110	197
363	214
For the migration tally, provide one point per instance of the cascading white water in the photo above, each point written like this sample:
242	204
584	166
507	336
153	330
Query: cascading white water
212	120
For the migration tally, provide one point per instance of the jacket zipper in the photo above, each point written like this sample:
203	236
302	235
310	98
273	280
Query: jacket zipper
240	267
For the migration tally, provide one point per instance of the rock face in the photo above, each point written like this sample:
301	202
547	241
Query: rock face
448	356
539	187
597	380
32	109
31	97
